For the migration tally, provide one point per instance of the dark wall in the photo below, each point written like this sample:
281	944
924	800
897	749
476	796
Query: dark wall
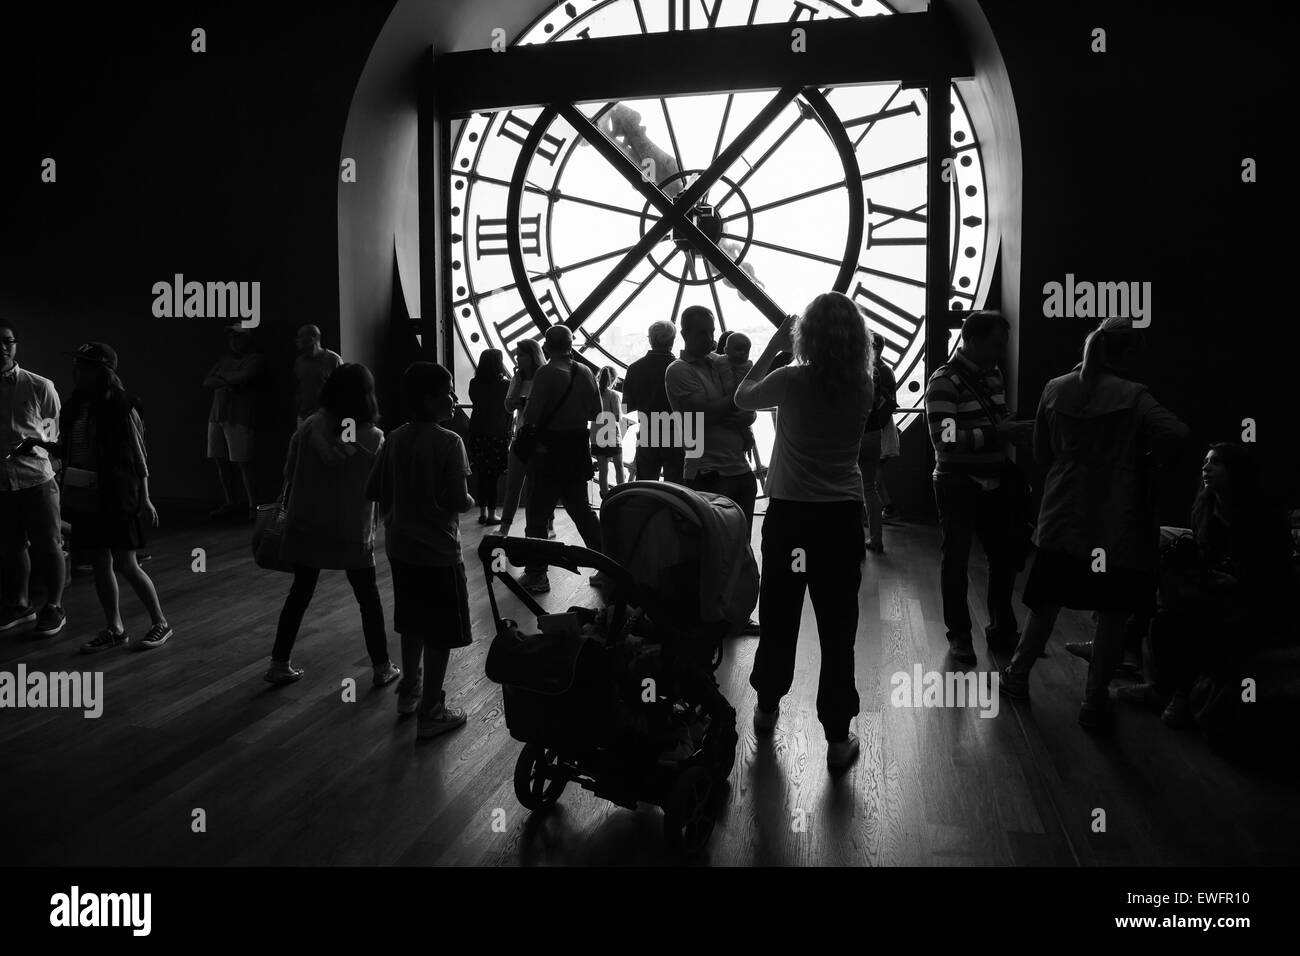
221	166
1132	165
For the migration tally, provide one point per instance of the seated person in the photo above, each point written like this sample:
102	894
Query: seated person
1229	606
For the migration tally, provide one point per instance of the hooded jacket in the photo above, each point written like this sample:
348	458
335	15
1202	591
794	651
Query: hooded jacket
1094	446
330	521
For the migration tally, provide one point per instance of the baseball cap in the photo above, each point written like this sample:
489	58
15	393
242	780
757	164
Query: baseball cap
97	353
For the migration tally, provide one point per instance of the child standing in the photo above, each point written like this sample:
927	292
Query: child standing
419	482
607	431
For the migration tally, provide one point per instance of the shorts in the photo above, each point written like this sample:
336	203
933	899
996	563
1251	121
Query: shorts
233	442
30	515
432	602
94	530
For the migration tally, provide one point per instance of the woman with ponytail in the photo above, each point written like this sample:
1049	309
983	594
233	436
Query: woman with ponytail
1097	539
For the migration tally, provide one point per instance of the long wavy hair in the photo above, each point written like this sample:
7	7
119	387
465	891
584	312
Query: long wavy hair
491	366
534	352
831	339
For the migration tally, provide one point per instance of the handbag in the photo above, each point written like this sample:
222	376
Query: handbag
526	438
268	533
80	491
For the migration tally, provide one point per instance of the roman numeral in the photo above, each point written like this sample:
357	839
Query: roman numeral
873	240
521	324
512	127
492	236
895	322
799	9
679	12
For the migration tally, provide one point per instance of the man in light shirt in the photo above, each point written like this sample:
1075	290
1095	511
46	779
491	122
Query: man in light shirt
29	495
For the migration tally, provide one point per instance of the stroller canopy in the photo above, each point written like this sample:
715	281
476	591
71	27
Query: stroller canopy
689	549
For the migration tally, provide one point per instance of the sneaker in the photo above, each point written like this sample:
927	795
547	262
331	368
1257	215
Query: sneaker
104	641
1081	649
492	521
50	621
535	583
158	635
408	701
962	649
15	616
876	546
1142	695
1013	685
841	754
765	721
888	513
387	674
283	672
1095	715
1178	714
441	721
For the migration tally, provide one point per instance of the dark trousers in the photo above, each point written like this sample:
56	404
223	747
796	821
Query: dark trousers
965	512
742	489
830	536
561	474
300	593
650	462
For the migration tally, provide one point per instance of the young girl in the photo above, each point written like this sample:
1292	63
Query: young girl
489	430
607	431
331	521
528	359
102	443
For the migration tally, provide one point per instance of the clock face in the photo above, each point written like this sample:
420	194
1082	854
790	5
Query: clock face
829	194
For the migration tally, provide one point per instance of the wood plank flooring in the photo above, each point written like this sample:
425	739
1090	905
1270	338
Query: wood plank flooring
296	776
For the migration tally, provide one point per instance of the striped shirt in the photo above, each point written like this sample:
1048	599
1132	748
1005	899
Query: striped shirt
965	441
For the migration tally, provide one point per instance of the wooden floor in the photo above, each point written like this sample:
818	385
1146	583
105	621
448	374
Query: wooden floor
296	776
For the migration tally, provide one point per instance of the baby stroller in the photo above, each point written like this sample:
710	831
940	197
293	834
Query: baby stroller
622	699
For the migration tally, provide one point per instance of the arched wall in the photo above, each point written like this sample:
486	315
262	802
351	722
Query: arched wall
375	212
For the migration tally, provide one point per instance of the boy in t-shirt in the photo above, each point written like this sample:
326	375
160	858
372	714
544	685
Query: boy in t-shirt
732	366
419	482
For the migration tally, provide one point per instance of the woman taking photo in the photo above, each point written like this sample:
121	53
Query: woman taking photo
330	522
813	532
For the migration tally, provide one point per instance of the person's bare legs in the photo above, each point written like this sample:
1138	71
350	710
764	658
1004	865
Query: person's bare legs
141	584
223	479
246	472
17	573
106	589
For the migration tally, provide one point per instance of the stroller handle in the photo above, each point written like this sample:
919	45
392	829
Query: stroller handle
522	551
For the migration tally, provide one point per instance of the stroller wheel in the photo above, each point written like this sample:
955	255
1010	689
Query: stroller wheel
537	783
688	818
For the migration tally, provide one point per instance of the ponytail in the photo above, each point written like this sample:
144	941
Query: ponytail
1104	344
